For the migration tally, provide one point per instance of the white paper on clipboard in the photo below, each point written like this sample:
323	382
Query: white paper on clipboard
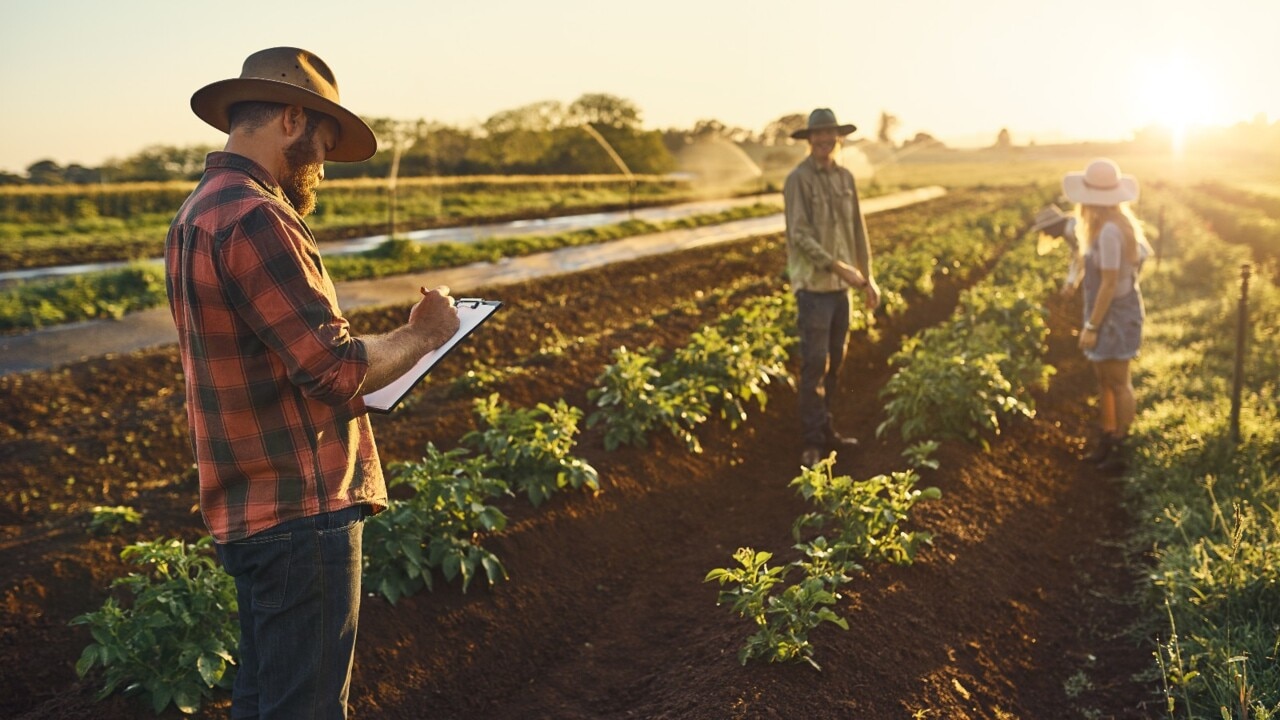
471	312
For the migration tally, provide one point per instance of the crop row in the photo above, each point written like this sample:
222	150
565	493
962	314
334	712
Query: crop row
957	379
453	496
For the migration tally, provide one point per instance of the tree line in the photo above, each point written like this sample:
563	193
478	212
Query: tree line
542	138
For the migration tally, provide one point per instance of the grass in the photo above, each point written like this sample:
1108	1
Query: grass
71	225
1209	508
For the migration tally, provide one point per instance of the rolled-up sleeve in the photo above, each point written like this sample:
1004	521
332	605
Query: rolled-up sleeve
276	283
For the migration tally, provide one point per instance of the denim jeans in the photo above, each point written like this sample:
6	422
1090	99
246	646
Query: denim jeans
823	319
298	588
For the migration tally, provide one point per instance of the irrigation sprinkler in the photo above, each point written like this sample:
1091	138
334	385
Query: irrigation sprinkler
617	160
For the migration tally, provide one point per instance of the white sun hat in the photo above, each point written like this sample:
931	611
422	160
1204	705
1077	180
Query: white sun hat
1101	183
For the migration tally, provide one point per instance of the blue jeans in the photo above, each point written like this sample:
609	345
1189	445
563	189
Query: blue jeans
298	587
823	319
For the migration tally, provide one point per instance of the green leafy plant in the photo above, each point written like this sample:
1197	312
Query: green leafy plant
632	398
529	448
920	455
105	520
783	620
174	643
437	528
864	517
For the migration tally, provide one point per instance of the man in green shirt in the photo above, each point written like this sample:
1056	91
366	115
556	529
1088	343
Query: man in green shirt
827	254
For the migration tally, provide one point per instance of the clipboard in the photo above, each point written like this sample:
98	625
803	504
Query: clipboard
471	312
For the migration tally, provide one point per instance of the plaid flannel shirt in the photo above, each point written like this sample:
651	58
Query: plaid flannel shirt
273	375
824	224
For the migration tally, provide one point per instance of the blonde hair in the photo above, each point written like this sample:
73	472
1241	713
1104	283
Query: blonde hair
1094	217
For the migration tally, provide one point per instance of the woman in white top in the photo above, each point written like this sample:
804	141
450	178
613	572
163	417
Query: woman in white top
1112	248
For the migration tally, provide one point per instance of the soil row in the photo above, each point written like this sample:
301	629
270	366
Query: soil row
606	614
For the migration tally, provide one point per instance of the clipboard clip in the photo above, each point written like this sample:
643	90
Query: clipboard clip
474	302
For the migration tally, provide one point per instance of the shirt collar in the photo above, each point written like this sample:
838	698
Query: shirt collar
223	160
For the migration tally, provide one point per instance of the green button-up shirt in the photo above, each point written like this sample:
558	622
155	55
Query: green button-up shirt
824	224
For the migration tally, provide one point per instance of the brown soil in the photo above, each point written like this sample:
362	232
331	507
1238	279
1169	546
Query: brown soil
1019	610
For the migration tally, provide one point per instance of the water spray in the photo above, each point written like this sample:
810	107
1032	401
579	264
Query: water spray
617	160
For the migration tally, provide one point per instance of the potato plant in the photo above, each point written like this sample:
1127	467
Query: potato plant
435	530
174	643
864	518
529	448
632	398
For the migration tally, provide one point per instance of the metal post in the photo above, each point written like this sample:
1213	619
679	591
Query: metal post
1160	240
1242	324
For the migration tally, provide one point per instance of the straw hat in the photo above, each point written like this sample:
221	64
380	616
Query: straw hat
1100	184
289	76
1047	217
821	119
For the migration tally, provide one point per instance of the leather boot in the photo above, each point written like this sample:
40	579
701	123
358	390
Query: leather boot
1106	445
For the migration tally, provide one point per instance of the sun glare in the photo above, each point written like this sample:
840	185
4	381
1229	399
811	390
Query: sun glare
1174	93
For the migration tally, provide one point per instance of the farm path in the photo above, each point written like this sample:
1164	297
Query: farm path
58	345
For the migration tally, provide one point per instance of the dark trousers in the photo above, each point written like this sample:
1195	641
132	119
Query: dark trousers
823	319
298	588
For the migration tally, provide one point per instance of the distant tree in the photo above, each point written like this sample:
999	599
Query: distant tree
604	110
1003	139
81	175
709	127
888	125
45	172
537	117
162	162
8	178
779	131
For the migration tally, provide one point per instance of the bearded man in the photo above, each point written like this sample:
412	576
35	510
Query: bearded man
284	449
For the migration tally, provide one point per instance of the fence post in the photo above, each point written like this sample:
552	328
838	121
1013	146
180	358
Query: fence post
1242	324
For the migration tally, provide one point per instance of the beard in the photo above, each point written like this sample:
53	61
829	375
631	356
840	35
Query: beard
303	175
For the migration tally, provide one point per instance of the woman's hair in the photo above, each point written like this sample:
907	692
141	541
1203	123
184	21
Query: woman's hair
1094	217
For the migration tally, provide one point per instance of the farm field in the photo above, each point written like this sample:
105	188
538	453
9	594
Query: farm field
1018	609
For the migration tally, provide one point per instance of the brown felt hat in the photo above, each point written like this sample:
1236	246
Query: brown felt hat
290	76
821	119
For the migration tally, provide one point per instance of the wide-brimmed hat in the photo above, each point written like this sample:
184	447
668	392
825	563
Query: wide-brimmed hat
290	76
1101	183
1048	216
821	119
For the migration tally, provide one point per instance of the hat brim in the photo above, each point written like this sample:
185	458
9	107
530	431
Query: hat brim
803	133
210	103
1077	191
1049	223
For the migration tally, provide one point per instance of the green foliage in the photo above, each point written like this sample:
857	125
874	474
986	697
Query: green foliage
865	516
436	529
958	379
632	398
112	520
1207	505
783	620
725	366
94	296
529	448
175	643
920	455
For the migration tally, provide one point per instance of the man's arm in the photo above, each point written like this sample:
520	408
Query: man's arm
862	252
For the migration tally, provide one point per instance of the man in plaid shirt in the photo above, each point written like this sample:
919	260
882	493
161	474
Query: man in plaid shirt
274	379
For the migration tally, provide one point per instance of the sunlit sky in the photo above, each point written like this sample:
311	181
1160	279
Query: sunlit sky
84	81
